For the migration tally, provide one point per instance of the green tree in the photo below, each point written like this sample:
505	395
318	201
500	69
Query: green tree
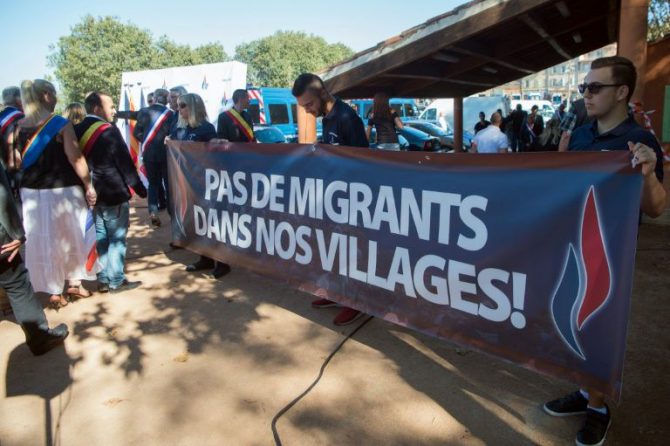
658	19
98	50
278	59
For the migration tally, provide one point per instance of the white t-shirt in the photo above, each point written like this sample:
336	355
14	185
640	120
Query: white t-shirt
490	140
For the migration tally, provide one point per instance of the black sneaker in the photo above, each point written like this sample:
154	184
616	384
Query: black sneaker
572	404
41	341
125	286
220	270
103	288
203	263
595	428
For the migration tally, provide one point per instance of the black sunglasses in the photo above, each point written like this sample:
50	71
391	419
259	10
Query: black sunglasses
594	87
182	105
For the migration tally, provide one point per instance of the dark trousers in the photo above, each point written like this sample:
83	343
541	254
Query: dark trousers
158	194
15	280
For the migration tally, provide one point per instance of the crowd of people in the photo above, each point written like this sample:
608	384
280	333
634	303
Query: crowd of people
62	176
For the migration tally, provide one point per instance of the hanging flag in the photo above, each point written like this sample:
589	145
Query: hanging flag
134	145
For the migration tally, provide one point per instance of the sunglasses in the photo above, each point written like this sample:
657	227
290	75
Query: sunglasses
594	87
182	105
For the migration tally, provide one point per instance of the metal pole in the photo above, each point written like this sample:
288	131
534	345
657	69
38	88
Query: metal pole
458	124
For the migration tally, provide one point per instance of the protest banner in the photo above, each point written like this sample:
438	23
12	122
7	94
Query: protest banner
528	257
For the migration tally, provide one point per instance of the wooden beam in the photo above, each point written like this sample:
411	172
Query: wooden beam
491	59
442	57
438	79
535	26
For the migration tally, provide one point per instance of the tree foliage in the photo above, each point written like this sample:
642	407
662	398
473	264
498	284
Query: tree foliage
98	50
658	19
278	59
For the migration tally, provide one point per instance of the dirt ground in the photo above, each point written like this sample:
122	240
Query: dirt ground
189	360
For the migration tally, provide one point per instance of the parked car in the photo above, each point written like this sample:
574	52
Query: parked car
467	140
432	130
419	141
268	134
404	144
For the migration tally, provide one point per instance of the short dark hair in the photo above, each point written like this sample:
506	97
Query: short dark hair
161	96
93	99
307	81
178	89
239	94
623	71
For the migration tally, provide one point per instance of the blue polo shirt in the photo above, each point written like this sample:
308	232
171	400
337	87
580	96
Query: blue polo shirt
342	126
586	138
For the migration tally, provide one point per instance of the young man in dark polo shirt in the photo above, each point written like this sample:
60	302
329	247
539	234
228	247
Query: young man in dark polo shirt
341	126
607	89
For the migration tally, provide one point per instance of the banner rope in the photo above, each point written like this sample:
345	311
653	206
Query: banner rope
286	408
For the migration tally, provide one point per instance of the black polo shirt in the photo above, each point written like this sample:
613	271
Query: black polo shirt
342	126
586	138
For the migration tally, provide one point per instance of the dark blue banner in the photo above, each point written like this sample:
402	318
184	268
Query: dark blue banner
525	256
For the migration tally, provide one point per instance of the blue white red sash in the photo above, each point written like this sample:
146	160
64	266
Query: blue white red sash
90	241
155	126
40	140
8	116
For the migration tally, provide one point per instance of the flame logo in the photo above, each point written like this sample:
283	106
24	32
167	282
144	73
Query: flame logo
585	284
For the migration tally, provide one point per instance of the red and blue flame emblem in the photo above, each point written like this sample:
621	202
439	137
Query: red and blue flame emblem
584	287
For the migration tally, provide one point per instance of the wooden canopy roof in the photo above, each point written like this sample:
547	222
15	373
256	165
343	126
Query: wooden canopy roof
477	46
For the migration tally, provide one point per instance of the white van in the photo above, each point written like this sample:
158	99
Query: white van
444	108
545	108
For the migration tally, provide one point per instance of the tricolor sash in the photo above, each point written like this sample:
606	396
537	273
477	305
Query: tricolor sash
241	123
39	141
155	126
90	241
8	116
91	135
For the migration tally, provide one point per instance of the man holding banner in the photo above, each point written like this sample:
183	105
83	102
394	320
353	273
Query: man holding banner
113	171
341	126
153	125
607	89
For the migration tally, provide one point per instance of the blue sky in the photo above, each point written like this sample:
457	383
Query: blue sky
357	23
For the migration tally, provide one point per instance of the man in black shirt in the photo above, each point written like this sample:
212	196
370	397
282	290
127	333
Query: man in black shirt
518	120
112	172
607	90
236	125
482	123
341	126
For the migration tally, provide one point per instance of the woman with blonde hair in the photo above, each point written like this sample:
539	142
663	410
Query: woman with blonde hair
55	189
75	113
193	126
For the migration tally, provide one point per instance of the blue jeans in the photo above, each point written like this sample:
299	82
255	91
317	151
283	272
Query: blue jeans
111	228
158	186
